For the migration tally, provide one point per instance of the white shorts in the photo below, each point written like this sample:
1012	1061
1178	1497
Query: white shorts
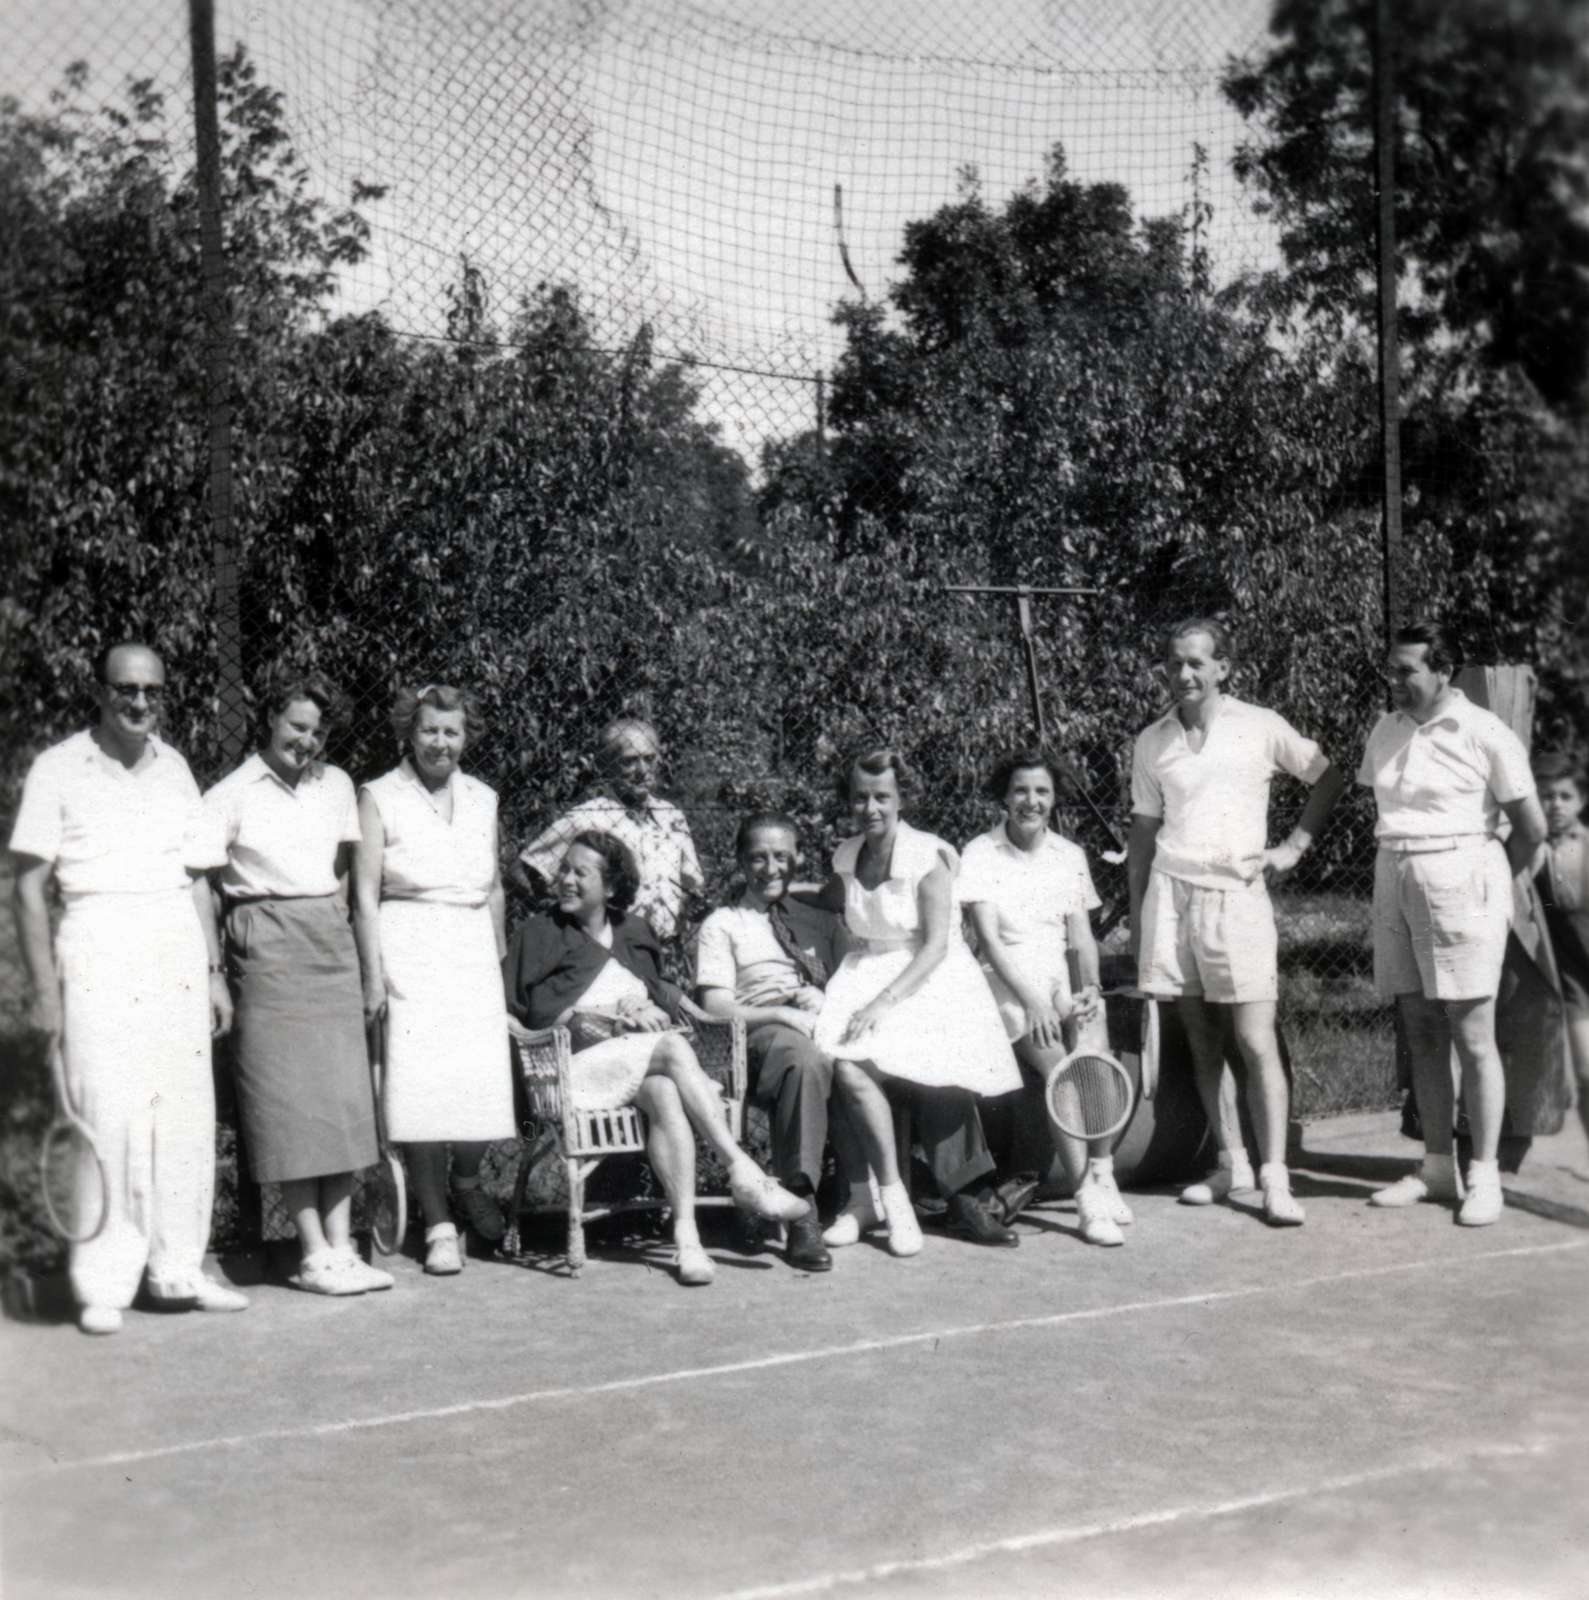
1214	944
1441	918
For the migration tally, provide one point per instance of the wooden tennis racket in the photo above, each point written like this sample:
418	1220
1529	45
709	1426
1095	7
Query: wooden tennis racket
1090	1095
388	1184
72	1173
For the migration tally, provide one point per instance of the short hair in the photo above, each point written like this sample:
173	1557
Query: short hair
1066	777
874	762
758	820
1444	653
102	660
1218	636
612	735
404	715
618	870
283	688
1550	766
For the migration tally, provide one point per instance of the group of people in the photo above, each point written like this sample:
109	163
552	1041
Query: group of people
308	919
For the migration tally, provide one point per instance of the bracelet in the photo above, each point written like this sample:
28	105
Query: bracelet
217	969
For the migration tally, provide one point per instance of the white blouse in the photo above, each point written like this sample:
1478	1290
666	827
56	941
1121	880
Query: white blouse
426	857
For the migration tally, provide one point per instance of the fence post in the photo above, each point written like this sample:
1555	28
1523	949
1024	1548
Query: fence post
218	384
1389	347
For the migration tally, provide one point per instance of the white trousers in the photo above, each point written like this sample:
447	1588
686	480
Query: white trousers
135	984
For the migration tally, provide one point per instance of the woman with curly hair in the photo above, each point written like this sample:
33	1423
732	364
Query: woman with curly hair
429	921
591	965
299	1057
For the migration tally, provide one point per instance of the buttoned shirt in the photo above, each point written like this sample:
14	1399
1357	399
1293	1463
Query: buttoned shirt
282	839
1566	878
739	951
658	837
1028	891
1445	778
1214	801
110	829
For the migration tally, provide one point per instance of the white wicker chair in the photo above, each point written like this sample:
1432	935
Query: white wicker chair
582	1140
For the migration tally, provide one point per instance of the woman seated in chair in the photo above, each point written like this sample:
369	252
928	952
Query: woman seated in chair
909	1010
1028	891
590	966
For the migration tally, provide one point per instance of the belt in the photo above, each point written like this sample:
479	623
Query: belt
878	947
1424	847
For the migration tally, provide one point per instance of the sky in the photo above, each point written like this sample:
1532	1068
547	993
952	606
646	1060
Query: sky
676	160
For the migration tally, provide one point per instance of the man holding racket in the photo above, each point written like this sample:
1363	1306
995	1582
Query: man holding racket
1202	927
114	816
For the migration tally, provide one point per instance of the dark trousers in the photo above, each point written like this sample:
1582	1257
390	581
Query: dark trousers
790	1076
947	1124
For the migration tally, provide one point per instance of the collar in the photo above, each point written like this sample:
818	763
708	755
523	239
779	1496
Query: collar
1576	832
648	808
257	768
1227	703
91	752
1451	716
406	768
1001	837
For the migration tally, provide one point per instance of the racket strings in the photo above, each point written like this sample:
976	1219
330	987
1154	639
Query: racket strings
1091	1096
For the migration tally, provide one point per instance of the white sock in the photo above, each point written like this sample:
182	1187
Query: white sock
1237	1162
685	1231
1483	1172
1274	1174
1437	1168
440	1230
1101	1169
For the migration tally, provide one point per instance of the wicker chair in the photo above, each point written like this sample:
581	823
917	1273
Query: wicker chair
582	1140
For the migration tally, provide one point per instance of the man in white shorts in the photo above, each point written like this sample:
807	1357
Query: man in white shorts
628	755
1444	772
1202	925
114	816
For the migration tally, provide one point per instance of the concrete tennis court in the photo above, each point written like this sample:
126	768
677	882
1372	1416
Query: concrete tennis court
1378	1404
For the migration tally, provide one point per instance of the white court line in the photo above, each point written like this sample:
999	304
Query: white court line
324	1430
1050	1537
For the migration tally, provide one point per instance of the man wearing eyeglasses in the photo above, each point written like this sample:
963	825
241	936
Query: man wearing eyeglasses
628	757
1451	782
113	815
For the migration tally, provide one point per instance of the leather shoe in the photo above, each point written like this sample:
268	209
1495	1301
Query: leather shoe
969	1214
1014	1195
805	1249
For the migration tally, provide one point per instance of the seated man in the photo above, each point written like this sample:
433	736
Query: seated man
766	960
655	830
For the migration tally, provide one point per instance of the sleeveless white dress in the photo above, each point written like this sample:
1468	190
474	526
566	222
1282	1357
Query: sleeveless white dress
949	1034
447	1070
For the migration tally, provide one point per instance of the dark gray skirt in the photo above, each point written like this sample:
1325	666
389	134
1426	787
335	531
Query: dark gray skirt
298	1043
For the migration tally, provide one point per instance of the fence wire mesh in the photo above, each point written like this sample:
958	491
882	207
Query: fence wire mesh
674	359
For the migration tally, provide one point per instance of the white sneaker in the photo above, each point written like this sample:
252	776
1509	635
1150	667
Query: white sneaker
1097	1226
696	1268
1119	1211
208	1295
324	1273
1414	1187
443	1258
1281	1208
762	1196
858	1217
904	1231
1218	1185
1485	1201
359	1271
99	1319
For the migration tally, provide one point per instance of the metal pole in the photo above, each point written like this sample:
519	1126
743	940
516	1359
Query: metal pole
218	384
1389	347
1023	607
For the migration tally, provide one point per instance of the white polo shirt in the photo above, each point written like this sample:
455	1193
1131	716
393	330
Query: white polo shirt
1214	802
1447	778
111	830
1028	892
281	838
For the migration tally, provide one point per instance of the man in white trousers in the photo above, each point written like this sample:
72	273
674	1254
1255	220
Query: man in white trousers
132	985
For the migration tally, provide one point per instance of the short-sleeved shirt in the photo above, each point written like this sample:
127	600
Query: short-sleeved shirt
1445	778
112	830
658	837
1214	802
738	950
281	838
425	856
1030	891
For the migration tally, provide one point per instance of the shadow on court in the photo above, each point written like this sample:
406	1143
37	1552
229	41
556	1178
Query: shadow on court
1379	1403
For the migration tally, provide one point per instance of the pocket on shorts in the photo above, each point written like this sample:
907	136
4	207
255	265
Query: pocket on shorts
1455	886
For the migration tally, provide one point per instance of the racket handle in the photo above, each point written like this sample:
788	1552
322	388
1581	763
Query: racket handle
1093	1033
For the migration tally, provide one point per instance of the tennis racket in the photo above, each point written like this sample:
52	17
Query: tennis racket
71	1171
1090	1095
388	1185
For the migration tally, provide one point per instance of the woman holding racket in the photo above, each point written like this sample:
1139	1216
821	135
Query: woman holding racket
908	1009
299	1054
1028	892
592	966
1201	923
428	918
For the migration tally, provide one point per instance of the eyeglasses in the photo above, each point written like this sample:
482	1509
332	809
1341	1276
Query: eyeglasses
153	693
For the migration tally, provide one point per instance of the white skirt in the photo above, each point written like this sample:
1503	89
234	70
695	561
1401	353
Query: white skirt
949	1034
447	1070
1043	962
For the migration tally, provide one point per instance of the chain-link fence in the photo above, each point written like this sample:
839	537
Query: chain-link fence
680	359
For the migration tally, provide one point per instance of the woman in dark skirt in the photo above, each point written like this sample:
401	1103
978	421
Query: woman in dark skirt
300	1057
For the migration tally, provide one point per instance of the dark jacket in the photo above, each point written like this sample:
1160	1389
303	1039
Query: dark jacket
552	961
